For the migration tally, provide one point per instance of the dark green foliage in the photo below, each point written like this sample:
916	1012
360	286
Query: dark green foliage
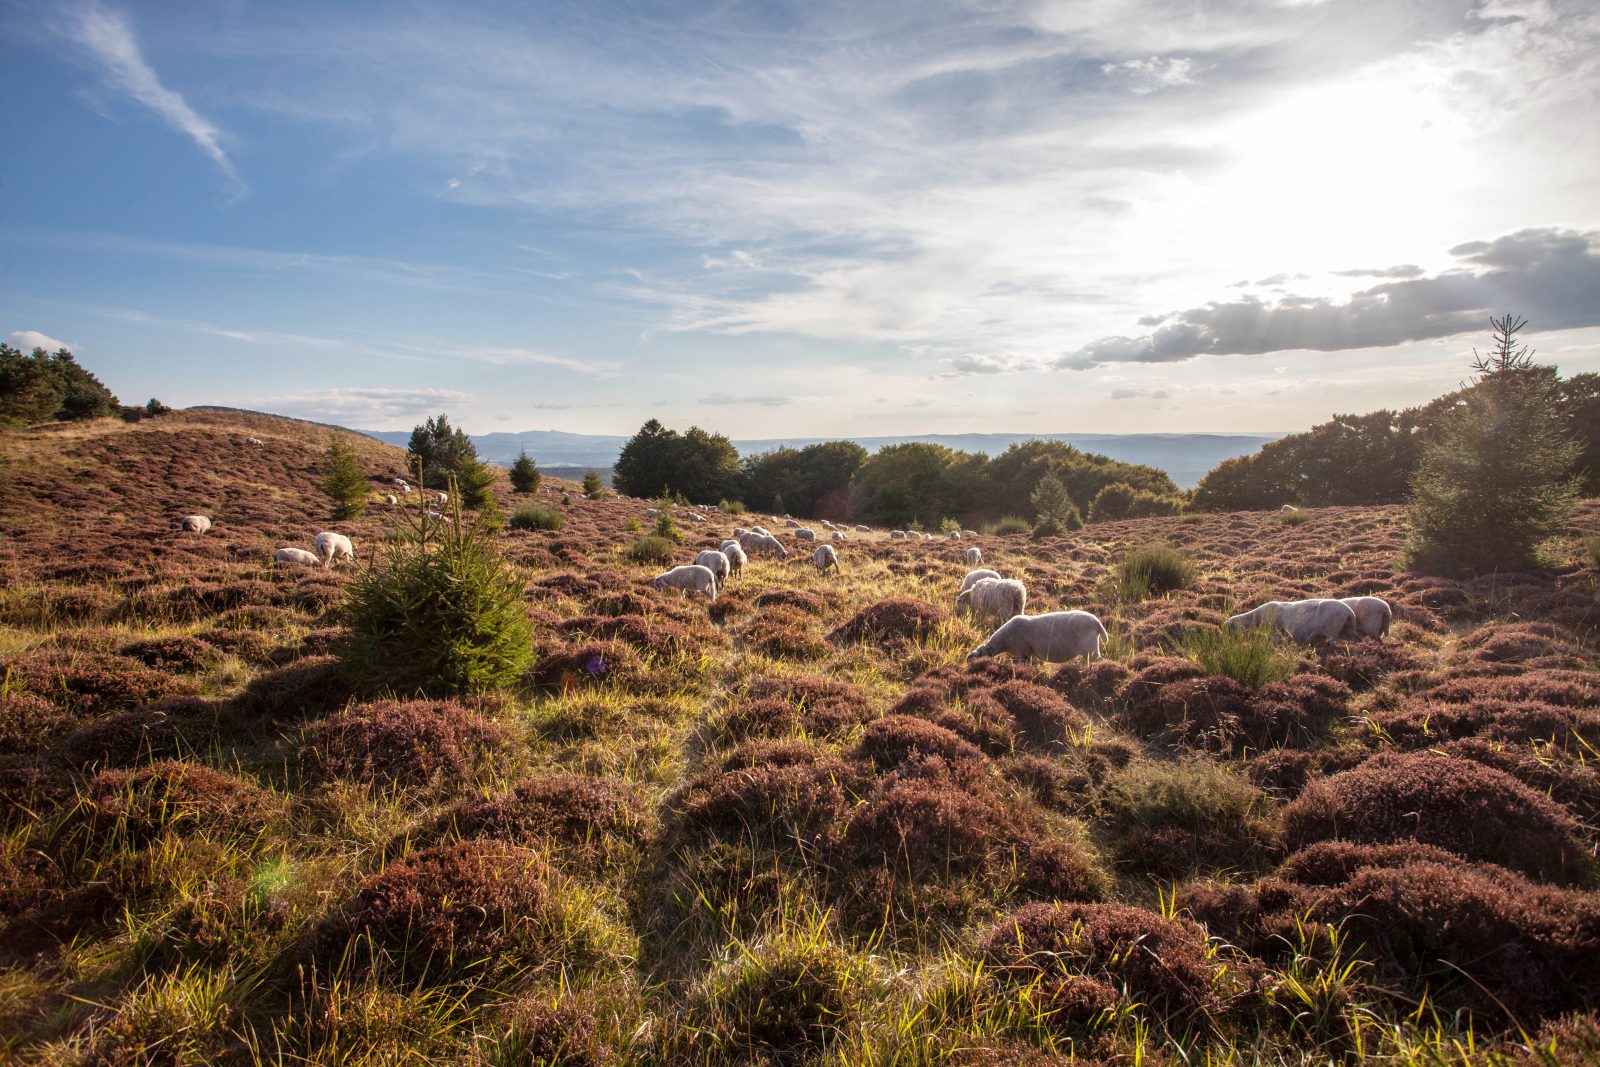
343	480
814	480
475	481
1055	512
525	477
732	507
1007	525
1120	500
1010	478
593	488
666	527
650	549
443	451
533	517
1153	570
1250	657
42	386
702	467
1169	819
439	612
1498	484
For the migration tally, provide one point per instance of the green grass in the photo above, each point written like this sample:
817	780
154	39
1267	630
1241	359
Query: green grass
1250	657
1008	525
651	549
1151	570
534	517
1591	550
1294	518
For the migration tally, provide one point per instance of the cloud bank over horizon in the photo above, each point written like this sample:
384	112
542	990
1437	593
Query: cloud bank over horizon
787	218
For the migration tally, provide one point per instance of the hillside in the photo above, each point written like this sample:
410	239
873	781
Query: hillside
791	826
1185	456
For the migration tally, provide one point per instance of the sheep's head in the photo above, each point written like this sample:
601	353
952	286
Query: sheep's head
981	652
964	600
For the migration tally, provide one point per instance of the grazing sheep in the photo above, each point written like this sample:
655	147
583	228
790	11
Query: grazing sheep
1055	637
444	497
927	537
1306	622
195	523
436	517
863	528
791	524
955	535
736	557
762	530
694	516
651	513
974	577
760	544
970	533
994	598
332	546
298	556
689	579
974	556
840	535
391	499
825	557
1373	615
254	441
739	531
805	533
715	562
403	485
897	535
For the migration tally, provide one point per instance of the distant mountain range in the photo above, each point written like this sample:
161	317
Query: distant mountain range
1184	456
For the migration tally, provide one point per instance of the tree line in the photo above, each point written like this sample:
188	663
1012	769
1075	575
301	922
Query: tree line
916	483
54	387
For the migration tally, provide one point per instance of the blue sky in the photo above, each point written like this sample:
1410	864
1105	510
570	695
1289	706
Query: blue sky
808	219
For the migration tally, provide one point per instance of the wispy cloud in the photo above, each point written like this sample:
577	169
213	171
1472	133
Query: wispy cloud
763	401
360	406
109	39
28	340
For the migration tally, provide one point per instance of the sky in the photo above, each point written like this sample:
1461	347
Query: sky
820	218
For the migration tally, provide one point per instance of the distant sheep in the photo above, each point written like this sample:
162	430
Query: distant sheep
805	533
1373	615
955	535
791	524
970	533
195	523
825	557
651	513
254	441
403	485
897	535
1056	637
694	516
994	598
862	528
760	544
840	535
739	531
736	557
331	546
689	579
297	556
1288	508
436	517
1306	622
391	499
762	530
715	562
974	556
973	577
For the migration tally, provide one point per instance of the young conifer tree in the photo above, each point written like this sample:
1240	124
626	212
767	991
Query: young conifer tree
343	480
525	477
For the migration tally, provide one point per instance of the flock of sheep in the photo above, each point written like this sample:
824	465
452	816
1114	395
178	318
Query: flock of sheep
326	548
1054	637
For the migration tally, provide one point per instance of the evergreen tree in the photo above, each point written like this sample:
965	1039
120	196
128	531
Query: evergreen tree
525	476
644	466
442	450
1054	511
593	487
343	480
41	386
475	480
1497	484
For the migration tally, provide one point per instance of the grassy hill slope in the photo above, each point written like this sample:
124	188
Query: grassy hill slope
790	826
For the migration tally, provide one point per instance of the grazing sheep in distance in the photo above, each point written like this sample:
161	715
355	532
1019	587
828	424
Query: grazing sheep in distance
254	441
791	524
694	516
739	531
762	530
651	513
330	546
970	533
805	533
1288	508
1305	622
195	523
974	577
825	557
974	556
692	578
897	535
1373	615
391	499
955	535
863	528
297	556
404	486
840	535
715	562
1056	637
994	598
736	557
760	544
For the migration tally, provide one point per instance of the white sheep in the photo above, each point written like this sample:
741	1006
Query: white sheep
863	528
791	524
994	598
331	546
1306	622
195	523
974	556
1055	637
927	537
805	533
436	517
1373	615
692	578
840	535
444	497
760	544
651	513
1288	508
694	516
403	485
762	530
897	535
825	557
955	535
739	531
970	533
298	556
254	441
391	499
715	562
974	577
736	557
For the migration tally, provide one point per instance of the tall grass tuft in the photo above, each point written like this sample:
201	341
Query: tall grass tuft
1294	518
650	549
1591	551
1250	657
1006	525
1151	570
437	612
533	517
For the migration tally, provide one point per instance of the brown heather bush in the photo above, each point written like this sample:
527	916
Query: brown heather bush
600	818
1529	644
412	743
634	630
27	723
163	729
1421	722
889	621
769	792
785	633
1333	863
593	663
1570	779
1460	805
994	706
1284	772
312	686
1219	714
88	683
184	797
810	603
179	653
473	908
1169	819
895	741
1094	685
564	1033
1158	962
826	707
1364	664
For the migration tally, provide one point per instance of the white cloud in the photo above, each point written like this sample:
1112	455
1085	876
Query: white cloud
1148	75
28	340
363	407
109	39
763	401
